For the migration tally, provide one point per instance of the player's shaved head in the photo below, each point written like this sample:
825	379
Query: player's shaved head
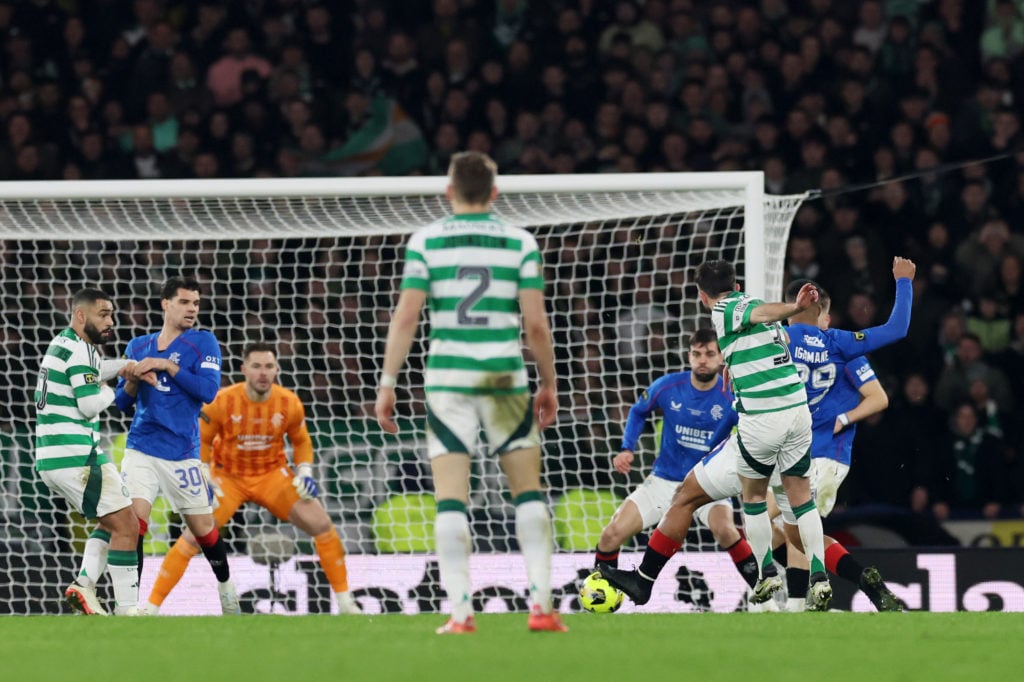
471	175
88	297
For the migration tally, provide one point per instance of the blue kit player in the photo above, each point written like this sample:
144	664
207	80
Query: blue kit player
177	371
842	389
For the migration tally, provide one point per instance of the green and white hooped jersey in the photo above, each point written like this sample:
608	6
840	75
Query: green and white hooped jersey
70	372
764	378
472	267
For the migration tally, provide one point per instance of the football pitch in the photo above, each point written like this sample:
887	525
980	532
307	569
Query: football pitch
649	647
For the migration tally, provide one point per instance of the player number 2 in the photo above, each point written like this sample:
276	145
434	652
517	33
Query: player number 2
466	305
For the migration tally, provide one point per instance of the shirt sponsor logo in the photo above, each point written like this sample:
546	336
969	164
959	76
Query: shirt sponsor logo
813	341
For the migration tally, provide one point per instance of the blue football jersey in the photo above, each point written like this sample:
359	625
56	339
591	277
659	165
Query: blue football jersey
832	365
693	422
166	422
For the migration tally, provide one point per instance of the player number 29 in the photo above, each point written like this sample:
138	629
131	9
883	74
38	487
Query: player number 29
820	379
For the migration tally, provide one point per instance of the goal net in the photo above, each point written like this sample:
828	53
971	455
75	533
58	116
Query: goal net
314	265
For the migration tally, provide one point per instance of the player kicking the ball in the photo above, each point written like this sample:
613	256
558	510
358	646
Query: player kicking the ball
774	431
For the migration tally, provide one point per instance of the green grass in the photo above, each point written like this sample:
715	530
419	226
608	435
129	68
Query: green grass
694	647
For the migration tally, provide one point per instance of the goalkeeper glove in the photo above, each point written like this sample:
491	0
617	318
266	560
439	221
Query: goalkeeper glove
213	489
304	482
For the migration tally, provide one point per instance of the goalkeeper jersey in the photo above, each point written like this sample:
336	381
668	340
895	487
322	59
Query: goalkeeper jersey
763	376
246	438
69	398
166	422
472	267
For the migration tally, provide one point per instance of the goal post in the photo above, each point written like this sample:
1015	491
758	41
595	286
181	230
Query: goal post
313	264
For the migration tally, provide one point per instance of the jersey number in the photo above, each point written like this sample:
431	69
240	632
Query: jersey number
466	304
780	339
819	379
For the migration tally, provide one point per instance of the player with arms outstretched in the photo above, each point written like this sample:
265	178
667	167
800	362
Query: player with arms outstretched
242	447
842	389
774	430
697	413
176	371
69	397
483	279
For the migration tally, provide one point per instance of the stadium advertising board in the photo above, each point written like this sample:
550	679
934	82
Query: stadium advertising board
962	579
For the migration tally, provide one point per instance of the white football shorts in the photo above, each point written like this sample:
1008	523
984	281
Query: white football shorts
718	476
70	484
826	477
778	441
653	497
180	482
454	421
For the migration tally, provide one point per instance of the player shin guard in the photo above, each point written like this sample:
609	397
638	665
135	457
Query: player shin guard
216	552
660	548
171	570
606	558
124	576
809	523
451	533
533	531
743	557
94	558
332	559
759	534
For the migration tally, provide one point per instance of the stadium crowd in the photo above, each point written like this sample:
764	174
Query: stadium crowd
822	94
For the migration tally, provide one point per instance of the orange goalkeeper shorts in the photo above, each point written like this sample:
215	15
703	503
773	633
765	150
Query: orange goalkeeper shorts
273	490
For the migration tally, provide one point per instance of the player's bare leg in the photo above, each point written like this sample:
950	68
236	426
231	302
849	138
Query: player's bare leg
625	523
309	516
665	541
534	533
111	547
452	538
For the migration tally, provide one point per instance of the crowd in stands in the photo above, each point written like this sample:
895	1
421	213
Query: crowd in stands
819	94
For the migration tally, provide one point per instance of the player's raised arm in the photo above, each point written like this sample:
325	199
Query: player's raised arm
896	327
775	312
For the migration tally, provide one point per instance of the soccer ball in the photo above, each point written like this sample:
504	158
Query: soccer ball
598	596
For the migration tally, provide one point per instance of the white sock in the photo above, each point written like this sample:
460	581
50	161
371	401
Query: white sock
125	580
94	560
451	532
809	524
759	533
533	531
795	604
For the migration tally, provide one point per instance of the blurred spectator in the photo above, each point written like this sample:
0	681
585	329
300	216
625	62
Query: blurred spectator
955	381
224	78
968	475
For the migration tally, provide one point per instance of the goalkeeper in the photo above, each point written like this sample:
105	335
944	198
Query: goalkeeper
242	445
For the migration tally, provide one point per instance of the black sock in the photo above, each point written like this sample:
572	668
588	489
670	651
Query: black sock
602	558
217	555
138	552
781	554
796	581
652	564
850	569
